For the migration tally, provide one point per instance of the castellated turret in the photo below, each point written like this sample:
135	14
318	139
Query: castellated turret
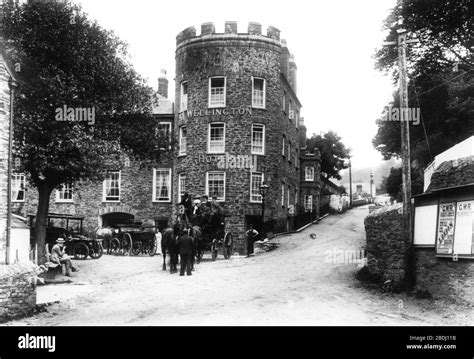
236	100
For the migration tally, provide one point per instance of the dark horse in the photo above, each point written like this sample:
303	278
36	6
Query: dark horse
169	244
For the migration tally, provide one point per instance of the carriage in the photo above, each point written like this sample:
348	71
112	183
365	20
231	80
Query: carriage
215	237
70	228
132	239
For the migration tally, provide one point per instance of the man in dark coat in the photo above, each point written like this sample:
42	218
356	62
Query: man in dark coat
185	249
251	237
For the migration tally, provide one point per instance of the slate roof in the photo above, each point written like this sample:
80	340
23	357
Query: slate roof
451	174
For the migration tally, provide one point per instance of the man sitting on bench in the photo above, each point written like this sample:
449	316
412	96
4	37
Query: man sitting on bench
59	256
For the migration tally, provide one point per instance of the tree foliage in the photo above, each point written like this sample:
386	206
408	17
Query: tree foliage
444	97
333	153
64	59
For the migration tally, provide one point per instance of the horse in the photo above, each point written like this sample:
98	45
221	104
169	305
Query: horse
106	234
169	243
196	235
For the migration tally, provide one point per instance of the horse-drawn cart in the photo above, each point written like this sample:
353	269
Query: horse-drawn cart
131	239
215	237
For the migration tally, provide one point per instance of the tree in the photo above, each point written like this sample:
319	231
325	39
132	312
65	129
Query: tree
444	97
68	64
333	153
392	184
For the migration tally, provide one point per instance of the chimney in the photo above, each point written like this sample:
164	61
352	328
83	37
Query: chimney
163	84
303	133
292	77
284	60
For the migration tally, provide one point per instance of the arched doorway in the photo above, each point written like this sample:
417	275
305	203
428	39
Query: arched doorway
112	219
112	215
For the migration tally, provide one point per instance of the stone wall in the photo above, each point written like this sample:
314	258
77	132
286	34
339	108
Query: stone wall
17	290
385	245
444	277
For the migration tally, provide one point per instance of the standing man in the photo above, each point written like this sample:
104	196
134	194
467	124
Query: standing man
185	249
251	235
59	256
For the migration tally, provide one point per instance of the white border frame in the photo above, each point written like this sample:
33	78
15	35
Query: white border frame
264	106
209	92
209	138
207	184
104	195
261	125
154	200
263	181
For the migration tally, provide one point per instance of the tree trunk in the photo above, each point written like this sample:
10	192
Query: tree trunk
44	193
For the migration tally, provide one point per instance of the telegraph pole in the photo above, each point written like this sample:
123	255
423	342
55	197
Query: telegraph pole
371	183
410	270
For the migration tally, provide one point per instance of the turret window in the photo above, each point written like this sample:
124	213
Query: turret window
217	91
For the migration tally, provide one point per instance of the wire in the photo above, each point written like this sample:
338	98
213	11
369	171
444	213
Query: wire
454	78
422	122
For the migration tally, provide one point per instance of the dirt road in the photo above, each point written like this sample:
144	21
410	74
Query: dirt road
296	284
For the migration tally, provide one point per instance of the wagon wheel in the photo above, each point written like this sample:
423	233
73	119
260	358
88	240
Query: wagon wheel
213	250
127	244
137	248
115	246
228	244
96	250
80	250
152	248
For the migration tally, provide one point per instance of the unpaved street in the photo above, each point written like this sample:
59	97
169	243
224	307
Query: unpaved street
291	285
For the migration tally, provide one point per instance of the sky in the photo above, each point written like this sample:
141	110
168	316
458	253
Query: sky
333	43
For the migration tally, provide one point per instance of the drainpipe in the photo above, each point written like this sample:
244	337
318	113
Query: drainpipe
11	85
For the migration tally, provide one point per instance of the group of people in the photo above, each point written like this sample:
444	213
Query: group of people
200	212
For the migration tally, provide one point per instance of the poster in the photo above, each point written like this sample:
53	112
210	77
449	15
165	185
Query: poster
464	234
445	234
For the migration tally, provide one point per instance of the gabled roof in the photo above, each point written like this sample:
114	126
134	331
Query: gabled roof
452	174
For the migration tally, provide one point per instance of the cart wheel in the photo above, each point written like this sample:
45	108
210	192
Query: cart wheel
96	250
80	250
115	246
127	244
152	248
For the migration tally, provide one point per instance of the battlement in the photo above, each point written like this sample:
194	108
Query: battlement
208	29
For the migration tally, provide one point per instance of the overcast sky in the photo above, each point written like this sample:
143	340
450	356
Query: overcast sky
333	43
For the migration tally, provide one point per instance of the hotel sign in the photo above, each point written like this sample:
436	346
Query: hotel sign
215	112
